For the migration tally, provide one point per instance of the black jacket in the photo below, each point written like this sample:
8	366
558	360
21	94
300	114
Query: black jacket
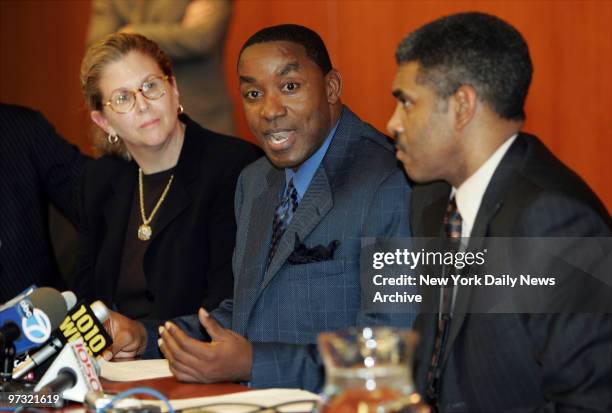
187	263
37	166
518	362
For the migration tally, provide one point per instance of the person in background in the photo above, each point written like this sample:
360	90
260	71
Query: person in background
37	167
192	33
157	223
461	87
328	179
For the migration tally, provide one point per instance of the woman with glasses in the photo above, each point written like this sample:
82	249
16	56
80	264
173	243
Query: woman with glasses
157	220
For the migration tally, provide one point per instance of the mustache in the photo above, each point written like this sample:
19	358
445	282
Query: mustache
400	146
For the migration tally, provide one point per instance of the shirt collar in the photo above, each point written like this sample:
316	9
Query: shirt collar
303	176
469	195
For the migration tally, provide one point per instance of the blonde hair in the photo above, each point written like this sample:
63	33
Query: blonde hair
109	50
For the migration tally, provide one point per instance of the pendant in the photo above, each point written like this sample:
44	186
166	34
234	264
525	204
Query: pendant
144	232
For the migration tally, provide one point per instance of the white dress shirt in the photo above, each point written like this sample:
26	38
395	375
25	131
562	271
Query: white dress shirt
469	195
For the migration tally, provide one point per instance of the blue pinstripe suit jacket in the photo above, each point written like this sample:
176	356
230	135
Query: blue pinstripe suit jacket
358	190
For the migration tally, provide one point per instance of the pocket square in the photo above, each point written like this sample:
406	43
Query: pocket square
303	255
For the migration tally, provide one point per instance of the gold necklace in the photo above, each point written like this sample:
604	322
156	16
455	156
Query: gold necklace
144	231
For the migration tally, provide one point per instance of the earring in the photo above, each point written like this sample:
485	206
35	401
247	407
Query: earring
112	139
180	109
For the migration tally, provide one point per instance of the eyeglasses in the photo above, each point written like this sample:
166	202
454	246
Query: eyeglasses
122	101
303	406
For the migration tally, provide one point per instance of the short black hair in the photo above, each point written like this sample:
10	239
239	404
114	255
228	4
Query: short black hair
474	49
294	33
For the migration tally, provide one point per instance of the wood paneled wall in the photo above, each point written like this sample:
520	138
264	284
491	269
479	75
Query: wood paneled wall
569	105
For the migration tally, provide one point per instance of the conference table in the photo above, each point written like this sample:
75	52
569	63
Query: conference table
169	386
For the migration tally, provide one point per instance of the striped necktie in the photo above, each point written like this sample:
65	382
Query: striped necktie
452	228
284	212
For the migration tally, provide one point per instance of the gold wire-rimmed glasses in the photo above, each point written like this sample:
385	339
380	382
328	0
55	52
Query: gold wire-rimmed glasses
123	100
302	406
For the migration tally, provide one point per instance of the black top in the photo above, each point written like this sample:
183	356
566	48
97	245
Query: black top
187	261
132	299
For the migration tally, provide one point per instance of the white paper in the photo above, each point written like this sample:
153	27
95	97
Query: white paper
134	370
151	369
230	403
267	398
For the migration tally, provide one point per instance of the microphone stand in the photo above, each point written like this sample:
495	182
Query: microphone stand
7	362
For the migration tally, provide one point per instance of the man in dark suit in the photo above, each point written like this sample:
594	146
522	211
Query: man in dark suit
37	167
328	180
461	85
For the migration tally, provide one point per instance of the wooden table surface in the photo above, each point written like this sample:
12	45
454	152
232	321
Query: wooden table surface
168	386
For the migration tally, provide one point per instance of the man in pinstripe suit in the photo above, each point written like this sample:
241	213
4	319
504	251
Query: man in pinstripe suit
37	166
293	285
460	86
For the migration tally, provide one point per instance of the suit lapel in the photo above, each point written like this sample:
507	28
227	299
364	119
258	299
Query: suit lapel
500	185
314	206
259	232
187	171
492	201
116	212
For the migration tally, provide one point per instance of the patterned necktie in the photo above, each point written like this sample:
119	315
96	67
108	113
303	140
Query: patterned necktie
452	228
282	217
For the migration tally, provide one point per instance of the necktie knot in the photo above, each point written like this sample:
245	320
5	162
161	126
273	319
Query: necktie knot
290	198
452	220
282	216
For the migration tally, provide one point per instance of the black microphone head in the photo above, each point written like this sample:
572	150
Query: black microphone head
51	302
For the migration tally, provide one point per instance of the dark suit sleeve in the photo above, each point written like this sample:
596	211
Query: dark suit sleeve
83	277
389	217
222	230
575	350
223	313
58	164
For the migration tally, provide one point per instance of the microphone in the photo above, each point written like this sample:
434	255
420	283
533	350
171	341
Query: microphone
27	320
21	295
81	322
70	299
73	373
87	322
66	379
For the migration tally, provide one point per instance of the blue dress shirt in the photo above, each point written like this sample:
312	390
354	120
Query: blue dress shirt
303	176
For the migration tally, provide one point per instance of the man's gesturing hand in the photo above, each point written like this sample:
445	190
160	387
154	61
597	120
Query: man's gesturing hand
229	357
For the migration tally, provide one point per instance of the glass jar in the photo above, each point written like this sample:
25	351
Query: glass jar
369	370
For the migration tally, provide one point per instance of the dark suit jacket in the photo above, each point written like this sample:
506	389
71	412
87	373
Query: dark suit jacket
37	166
520	362
188	261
